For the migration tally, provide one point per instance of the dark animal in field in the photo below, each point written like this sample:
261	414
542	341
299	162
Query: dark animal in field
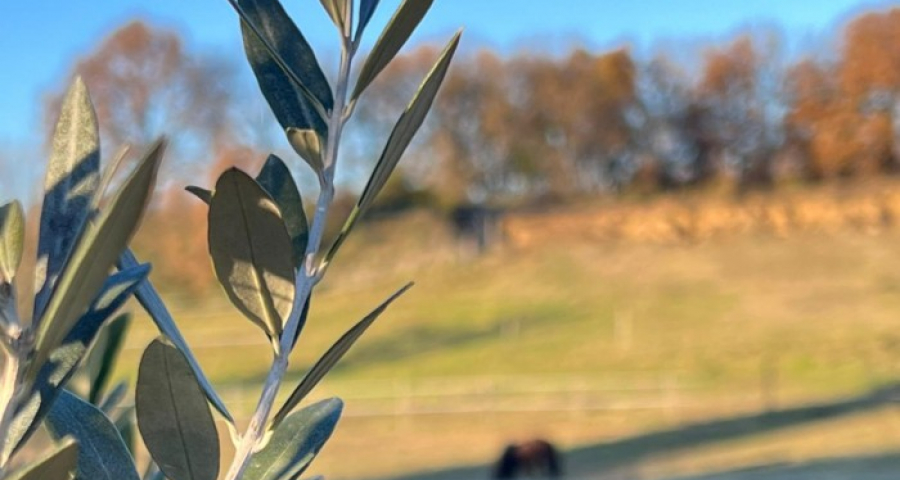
533	458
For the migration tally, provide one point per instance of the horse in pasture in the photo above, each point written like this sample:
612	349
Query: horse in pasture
532	458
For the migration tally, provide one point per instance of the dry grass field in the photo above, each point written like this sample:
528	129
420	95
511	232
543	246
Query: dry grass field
598	344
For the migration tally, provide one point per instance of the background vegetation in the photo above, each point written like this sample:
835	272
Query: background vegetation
609	310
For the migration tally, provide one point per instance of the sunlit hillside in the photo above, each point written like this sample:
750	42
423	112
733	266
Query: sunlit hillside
583	341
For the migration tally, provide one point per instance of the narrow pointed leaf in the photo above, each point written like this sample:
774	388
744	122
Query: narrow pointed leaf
113	400
12	239
60	464
199	192
20	425
69	185
366	10
401	136
308	145
397	32
337	11
277	181
108	173
331	357
125	423
303	315
149	299
102	454
285	65
408	124
65	359
296	442
251	250
94	256
173	416
104	354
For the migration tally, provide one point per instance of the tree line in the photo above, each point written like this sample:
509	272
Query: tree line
591	123
523	128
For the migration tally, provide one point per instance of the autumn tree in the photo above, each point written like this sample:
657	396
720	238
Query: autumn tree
869	76
674	143
740	88
578	114
146	81
478	142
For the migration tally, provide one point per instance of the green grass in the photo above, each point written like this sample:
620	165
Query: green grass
822	312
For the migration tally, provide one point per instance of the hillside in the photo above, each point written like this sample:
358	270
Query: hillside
582	339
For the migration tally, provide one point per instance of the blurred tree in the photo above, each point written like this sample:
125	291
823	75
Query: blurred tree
581	115
740	88
818	123
476	145
869	74
145	82
673	141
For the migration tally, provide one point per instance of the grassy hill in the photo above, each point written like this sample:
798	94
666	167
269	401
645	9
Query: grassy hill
649	336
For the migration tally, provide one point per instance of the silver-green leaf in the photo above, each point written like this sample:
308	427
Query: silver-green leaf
102	454
149	299
72	177
397	32
331	357
308	145
12	239
337	10
173	416
277	180
203	194
60	464
285	65
401	136
251	250
94	256
366	10
65	359
296	442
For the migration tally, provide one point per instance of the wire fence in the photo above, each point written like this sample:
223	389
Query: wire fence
492	394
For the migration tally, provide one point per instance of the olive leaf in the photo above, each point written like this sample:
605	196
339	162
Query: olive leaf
65	359
73	174
337	10
285	65
12	239
200	192
307	144
401	136
397	32
59	464
173	416
366	10
104	352
251	251
296	442
277	181
94	255
102	454
149	299
331	357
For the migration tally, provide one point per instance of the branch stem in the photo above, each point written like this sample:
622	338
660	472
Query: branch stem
306	280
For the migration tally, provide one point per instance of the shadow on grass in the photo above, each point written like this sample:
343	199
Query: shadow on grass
867	467
592	460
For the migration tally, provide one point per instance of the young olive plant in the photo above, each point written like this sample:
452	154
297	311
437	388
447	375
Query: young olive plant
268	256
82	233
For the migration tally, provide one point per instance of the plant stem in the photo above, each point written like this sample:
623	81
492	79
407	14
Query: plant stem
307	278
9	384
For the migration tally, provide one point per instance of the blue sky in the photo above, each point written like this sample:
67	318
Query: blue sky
39	39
